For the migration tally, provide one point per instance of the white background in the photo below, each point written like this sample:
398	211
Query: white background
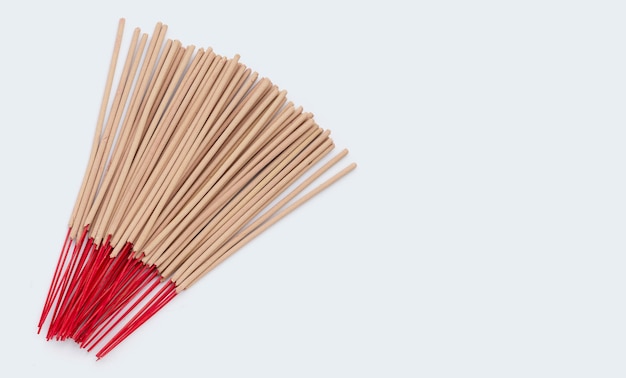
481	236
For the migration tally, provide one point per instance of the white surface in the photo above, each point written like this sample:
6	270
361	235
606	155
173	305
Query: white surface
481	236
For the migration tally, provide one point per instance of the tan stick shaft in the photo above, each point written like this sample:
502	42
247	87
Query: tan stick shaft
139	133
130	129
204	225
173	185
200	171
222	171
225	253
196	159
121	205
104	149
178	124
131	103
242	211
182	124
164	130
189	211
166	68
278	144
91	172
169	170
182	197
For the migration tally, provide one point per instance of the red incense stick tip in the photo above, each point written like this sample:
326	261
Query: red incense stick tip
153	305
54	284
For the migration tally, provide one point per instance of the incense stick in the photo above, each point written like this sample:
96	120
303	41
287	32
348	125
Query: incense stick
90	174
195	156
229	250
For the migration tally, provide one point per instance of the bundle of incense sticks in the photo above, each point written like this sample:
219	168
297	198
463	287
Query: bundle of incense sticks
193	156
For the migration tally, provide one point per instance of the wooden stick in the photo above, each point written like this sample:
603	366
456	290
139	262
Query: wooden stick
165	70
258	99
161	101
227	101
270	151
90	172
165	90
104	149
317	174
106	140
215	260
181	196
178	124
137	163
296	169
133	106
205	156
290	129
203	225
243	210
168	170
164	131
131	122
171	168
192	151
136	141
200	171
256	93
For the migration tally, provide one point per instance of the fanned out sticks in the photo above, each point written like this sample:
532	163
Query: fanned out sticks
193	157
